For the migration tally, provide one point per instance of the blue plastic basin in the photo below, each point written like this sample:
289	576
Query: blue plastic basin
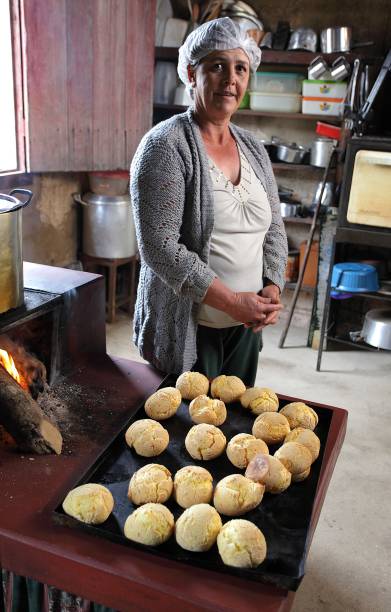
354	277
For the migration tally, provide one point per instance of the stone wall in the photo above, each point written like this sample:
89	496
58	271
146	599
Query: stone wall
50	228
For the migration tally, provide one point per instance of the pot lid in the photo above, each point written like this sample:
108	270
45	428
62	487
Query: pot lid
8	203
96	198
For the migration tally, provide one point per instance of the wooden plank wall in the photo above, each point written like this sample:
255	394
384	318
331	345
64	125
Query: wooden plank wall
89	81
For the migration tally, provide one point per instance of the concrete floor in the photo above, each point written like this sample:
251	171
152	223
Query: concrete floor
349	563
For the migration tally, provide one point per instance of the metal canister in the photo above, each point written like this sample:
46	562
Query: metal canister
321	150
108	226
11	254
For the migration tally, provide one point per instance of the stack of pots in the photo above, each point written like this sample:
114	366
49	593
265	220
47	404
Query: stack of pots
108	225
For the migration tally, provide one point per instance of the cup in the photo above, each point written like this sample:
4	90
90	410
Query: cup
317	67
340	69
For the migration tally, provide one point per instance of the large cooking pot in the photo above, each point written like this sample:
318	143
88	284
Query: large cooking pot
11	257
108	226
376	330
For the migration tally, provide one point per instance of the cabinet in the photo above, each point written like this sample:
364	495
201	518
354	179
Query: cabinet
335	328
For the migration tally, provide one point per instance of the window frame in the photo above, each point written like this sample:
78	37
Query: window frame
16	23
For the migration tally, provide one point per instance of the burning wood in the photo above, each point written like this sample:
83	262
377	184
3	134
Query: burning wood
19	412
32	372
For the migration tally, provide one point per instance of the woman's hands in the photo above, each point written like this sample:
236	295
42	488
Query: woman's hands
248	307
272	292
258	309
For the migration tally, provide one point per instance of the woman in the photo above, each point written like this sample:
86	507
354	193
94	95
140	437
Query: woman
212	243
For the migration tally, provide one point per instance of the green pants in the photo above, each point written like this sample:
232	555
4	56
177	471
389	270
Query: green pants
232	351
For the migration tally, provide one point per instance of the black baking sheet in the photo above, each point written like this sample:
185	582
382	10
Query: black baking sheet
284	518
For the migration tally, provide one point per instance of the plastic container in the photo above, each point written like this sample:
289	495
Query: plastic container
354	277
274	102
322	106
245	103
165	82
330	131
324	89
277	82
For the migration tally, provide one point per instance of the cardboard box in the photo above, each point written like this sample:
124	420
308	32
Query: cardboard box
311	272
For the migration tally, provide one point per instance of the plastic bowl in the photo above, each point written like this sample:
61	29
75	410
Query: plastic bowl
354	277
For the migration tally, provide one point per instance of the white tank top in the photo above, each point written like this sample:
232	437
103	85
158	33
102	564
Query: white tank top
242	216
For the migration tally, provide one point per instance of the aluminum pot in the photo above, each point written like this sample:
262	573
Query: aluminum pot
290	153
11	256
108	226
376	330
288	209
321	150
334	40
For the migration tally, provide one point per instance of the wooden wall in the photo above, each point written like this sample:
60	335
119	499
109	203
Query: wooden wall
89	81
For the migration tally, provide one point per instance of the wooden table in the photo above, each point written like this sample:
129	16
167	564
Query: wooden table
100	570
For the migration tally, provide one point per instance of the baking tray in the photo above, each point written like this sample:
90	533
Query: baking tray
284	518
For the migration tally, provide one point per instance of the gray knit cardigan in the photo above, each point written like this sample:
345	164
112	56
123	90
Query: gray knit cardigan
172	198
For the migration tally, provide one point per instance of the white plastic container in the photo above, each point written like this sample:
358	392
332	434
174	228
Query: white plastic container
322	106
324	89
165	82
276	82
182	96
275	102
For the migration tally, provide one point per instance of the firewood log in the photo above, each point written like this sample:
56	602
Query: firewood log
24	420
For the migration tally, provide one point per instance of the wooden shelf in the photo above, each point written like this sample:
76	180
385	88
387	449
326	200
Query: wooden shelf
306	288
302	220
176	108
296	167
287	58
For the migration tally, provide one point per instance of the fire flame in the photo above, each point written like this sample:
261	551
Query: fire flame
8	363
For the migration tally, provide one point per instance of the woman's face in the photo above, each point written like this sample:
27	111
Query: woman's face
220	82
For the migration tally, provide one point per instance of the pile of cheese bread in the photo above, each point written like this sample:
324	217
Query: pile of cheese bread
240	542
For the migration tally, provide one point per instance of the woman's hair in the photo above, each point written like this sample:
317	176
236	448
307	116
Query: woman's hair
218	35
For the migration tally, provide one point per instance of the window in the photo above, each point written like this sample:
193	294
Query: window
11	120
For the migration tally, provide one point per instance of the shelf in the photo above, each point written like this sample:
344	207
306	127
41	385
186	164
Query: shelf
305	288
176	108
296	167
303	220
366	237
372	295
286	58
360	345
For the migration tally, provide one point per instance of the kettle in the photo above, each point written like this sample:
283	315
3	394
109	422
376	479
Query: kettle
11	258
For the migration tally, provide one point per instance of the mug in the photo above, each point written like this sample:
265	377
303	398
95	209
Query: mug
340	69
317	67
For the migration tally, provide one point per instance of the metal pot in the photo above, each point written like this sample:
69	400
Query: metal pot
333	40
303	39
321	150
327	197
288	209
11	257
376	330
290	153
108	226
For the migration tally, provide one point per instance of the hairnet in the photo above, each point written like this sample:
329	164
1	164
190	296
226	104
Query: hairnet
218	35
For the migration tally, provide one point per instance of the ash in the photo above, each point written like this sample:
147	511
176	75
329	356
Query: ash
71	407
